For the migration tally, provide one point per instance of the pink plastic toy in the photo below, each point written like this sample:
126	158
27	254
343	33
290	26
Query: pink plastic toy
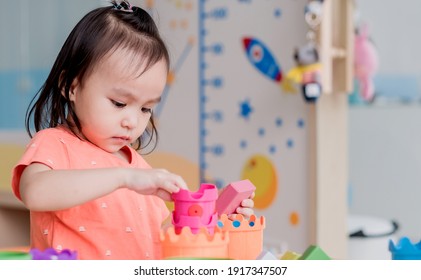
365	64
232	196
195	209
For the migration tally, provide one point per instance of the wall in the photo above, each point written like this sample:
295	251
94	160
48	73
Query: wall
384	138
32	34
232	121
385	163
393	29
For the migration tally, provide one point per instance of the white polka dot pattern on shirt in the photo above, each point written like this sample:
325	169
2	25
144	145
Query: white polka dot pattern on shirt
50	161
45	232
82	229
59	247
108	253
103	205
129	229
93	162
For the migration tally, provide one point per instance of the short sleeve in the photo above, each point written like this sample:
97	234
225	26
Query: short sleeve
47	148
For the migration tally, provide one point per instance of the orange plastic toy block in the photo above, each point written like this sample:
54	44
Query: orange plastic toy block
245	236
190	246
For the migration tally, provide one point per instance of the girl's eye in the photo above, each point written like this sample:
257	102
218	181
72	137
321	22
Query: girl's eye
147	110
118	104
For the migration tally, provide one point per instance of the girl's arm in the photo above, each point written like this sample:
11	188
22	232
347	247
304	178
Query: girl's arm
44	189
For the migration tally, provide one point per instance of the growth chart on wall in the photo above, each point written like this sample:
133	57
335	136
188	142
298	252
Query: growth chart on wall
224	116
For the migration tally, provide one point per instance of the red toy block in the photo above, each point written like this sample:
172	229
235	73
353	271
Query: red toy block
232	196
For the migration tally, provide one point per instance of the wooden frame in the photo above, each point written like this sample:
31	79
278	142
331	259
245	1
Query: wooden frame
328	129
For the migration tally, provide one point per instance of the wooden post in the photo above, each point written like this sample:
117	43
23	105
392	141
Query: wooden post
328	128
336	41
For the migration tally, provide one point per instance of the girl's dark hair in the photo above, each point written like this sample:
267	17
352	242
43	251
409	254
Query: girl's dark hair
98	33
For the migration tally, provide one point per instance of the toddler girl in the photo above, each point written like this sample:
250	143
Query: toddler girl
81	177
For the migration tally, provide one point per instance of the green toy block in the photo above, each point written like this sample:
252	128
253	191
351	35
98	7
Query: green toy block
314	253
290	255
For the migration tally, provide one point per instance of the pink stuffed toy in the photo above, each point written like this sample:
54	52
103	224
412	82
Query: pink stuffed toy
365	64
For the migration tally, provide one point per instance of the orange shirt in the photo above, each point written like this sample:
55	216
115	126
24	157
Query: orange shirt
120	225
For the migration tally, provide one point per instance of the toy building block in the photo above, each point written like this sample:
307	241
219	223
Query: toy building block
290	255
195	209
15	255
266	255
232	196
314	253
405	249
245	236
194	245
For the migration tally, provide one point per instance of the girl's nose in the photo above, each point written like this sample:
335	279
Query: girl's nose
129	121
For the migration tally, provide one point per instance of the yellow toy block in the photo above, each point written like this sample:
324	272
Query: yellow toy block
290	255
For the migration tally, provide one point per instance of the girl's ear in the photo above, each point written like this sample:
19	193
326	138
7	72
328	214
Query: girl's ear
73	90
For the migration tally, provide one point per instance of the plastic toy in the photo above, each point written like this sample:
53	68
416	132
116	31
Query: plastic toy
290	255
405	249
365	63
200	245
197	232
14	255
313	13
232	196
306	74
51	254
266	255
314	253
245	236
195	209
35	254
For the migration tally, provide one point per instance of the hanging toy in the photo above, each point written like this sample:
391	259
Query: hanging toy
306	75
313	12
365	63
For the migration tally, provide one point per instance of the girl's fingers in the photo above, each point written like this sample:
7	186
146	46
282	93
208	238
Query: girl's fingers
180	182
247	203
246	212
169	186
173	183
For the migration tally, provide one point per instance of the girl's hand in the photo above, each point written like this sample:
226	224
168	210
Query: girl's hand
246	208
157	182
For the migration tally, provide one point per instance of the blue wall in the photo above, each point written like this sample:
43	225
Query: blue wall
17	88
